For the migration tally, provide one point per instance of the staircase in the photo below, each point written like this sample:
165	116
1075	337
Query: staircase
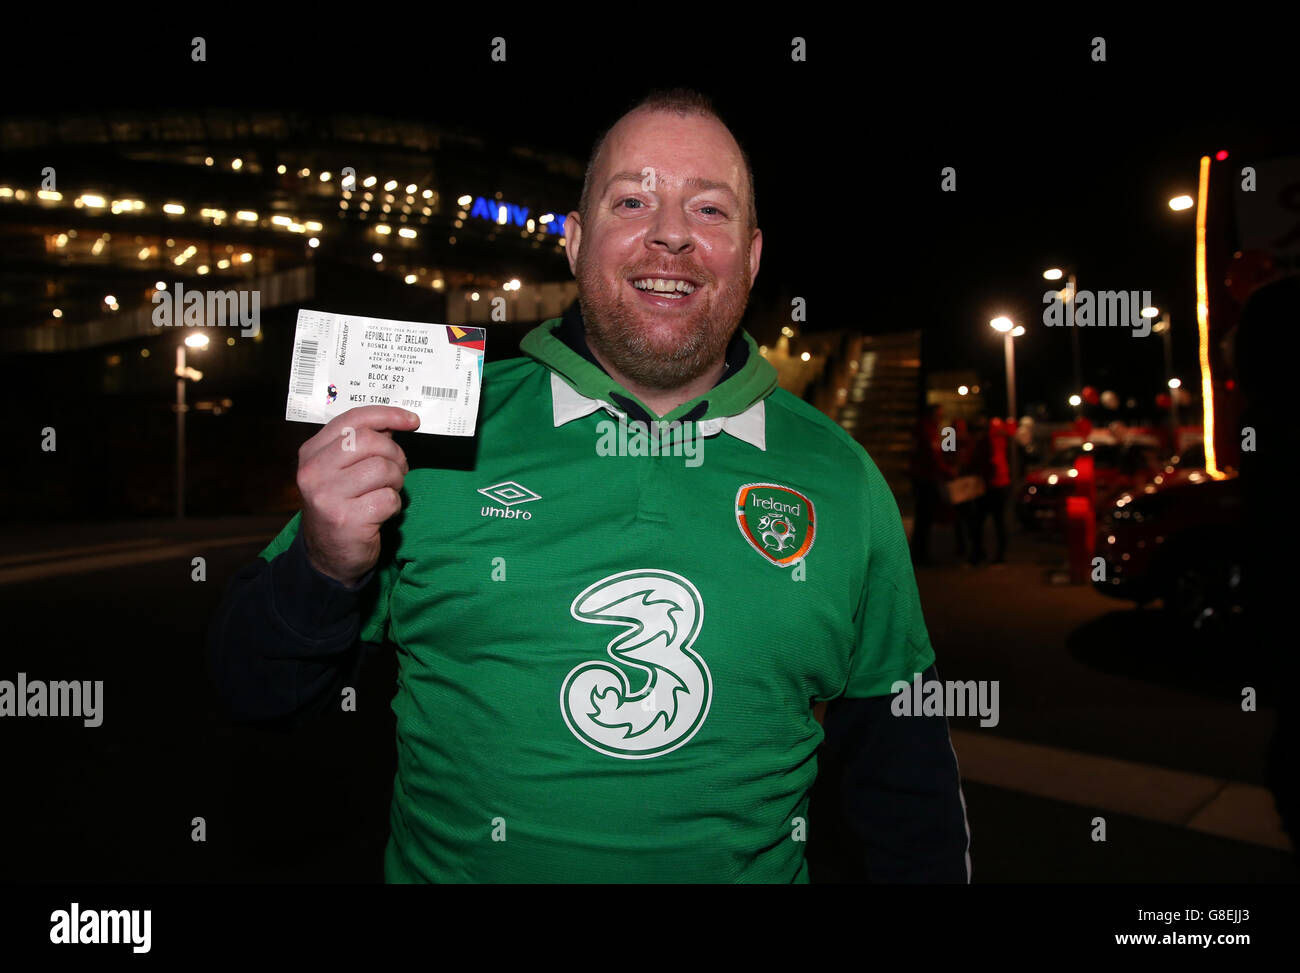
880	409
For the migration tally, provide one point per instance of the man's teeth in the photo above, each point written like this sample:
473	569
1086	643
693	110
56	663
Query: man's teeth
662	286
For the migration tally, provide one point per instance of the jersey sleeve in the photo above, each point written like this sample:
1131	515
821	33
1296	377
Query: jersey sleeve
890	637
374	595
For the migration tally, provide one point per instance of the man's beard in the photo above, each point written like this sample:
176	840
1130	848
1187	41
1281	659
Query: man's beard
660	349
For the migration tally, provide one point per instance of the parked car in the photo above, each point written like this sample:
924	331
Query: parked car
1178	539
1116	467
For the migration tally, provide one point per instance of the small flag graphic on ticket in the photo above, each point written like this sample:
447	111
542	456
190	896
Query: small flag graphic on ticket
341	361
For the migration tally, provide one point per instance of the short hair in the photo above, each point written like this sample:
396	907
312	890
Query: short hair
683	102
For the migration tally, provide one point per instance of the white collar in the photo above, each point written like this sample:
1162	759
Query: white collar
749	426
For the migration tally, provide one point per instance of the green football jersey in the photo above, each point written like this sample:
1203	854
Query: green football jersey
610	642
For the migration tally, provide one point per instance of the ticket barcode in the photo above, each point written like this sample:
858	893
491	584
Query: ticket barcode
433	392
306	367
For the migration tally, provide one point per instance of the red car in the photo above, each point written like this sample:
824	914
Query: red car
1116	468
1178	539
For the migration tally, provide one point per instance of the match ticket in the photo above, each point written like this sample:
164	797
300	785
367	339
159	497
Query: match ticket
341	361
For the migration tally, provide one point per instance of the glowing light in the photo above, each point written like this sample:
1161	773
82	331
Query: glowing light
390	185
1181	203
282	169
377	257
1175	383
464	201
95	202
313	242
1073	472
474	296
1087	447
57	313
383	229
1150	312
1055	273
1075	400
281	220
49	194
247	215
805	357
175	209
1052	479
1221	155
197	340
427	193
369	181
1001	323
110	299
963	390
236	164
1017	331
514	284
326	176
245	258
1203	321
209	161
314	226
410	278
411	188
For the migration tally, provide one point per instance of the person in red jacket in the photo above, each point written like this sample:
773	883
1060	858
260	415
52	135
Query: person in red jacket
998	476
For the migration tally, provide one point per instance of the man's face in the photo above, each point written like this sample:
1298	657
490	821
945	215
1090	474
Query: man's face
669	203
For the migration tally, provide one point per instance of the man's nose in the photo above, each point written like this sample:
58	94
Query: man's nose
670	231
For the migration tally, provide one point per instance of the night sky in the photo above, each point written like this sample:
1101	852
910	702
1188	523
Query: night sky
1060	160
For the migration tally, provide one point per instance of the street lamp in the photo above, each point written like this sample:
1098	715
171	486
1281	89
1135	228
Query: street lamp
1162	328
197	341
1071	287
1010	330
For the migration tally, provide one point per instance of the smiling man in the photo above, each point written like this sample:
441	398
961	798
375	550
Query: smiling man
612	671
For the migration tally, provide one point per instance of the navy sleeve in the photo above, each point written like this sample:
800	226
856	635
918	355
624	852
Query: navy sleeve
284	642
900	792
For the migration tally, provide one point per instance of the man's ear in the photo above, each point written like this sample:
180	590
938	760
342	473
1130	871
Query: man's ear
572	240
755	252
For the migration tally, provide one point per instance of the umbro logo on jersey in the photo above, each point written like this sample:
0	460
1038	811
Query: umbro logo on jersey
508	494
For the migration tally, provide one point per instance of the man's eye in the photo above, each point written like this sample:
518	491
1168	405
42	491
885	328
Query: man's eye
704	209
626	201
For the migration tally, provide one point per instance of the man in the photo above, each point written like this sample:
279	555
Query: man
608	664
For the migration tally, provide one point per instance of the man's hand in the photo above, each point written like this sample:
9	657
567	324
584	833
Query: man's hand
350	475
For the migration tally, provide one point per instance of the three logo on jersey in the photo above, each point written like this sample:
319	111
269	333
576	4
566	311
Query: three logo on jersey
777	521
661	613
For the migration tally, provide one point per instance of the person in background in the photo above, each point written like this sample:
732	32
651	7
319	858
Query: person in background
972	460
998	476
929	469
